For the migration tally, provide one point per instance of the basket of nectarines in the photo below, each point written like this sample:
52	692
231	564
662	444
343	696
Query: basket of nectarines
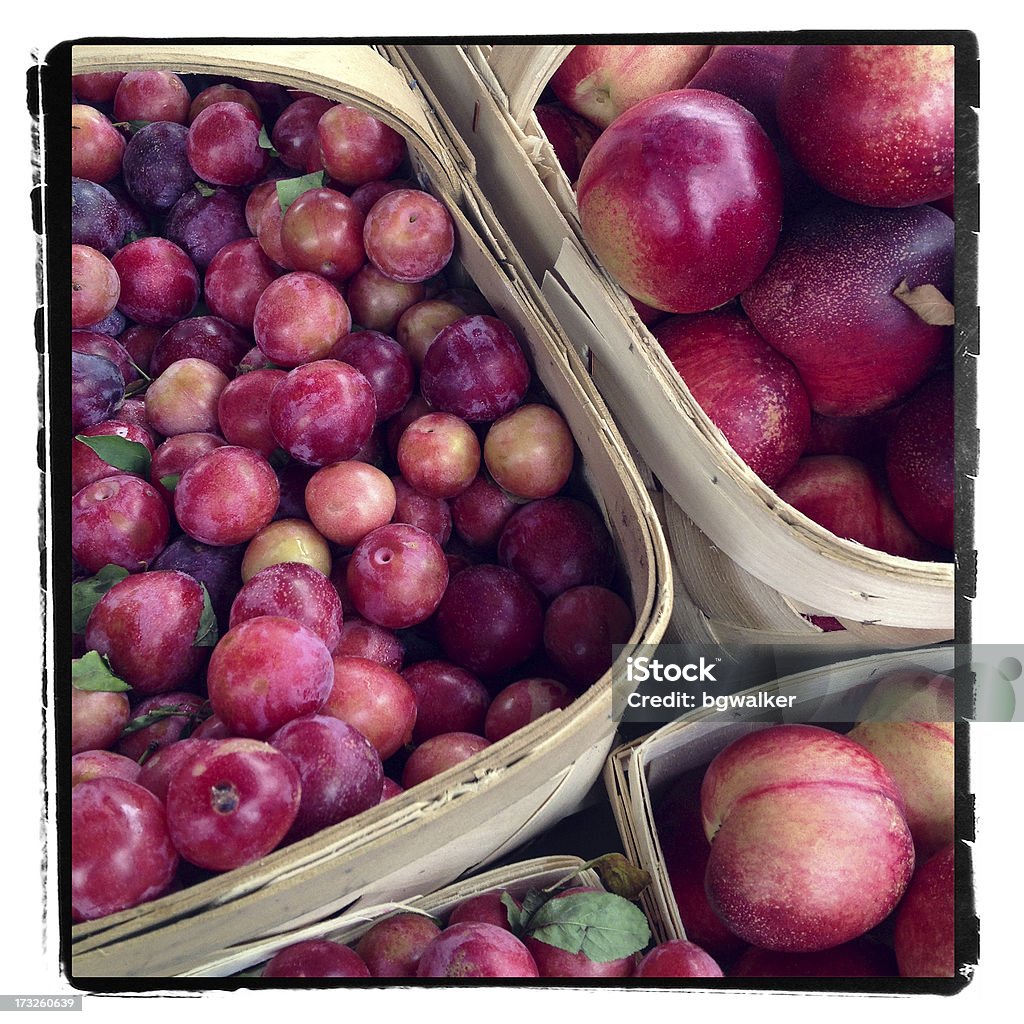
755	244
817	841
351	532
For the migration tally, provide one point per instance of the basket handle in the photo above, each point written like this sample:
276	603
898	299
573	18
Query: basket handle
523	72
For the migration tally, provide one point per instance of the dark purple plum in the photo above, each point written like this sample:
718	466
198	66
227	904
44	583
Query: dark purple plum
293	478
97	389
219	569
202	223
113	324
340	770
133	218
272	97
384	363
96	218
200	337
557	543
98	344
581	626
827	301
156	169
489	620
448	699
480	513
475	369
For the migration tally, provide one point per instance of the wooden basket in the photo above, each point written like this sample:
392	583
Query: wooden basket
489	92
482	809
348	927
639	773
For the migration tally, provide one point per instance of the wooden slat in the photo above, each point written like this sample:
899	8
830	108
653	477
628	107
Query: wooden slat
523	71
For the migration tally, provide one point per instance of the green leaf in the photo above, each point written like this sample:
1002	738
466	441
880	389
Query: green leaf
119	452
516	917
206	634
170	481
92	672
205	190
86	593
289	189
531	903
131	126
265	143
600	925
170	711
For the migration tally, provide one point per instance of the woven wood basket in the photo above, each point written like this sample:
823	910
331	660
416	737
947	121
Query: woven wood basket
639	773
783	563
484	808
348	927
